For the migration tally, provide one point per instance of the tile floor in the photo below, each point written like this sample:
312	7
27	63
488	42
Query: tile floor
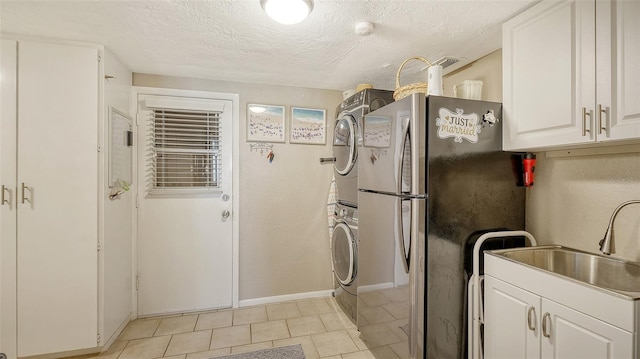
319	325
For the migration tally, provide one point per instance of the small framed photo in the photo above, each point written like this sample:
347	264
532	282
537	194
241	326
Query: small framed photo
308	125
377	131
265	123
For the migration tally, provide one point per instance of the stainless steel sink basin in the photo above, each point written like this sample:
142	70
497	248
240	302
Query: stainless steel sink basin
597	270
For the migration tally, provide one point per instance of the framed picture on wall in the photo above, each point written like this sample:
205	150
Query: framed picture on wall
265	123
308	125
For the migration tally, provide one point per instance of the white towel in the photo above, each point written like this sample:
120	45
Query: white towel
331	206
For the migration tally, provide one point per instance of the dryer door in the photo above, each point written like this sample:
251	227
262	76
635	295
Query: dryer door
345	143
343	253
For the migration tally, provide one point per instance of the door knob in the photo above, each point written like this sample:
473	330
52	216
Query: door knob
226	214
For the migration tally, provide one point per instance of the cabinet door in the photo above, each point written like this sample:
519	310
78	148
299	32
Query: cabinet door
548	75
509	314
8	68
618	71
576	335
57	222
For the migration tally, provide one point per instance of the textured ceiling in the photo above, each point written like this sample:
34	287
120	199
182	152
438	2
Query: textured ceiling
234	40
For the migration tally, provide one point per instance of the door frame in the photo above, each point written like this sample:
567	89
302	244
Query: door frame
235	181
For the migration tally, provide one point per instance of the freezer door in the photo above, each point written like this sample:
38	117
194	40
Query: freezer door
382	152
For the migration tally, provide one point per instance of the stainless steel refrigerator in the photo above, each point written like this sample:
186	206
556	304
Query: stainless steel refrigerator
431	175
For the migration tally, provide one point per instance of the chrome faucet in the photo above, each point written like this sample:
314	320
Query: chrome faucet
606	244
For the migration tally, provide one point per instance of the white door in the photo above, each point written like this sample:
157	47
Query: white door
57	198
548	65
8	78
570	334
184	234
618	42
512	328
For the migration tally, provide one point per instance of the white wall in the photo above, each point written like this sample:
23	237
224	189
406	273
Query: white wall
284	244
573	197
487	69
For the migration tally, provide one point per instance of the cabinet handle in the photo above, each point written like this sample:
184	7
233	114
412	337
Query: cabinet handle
584	121
4	200
544	325
530	323
601	110
23	196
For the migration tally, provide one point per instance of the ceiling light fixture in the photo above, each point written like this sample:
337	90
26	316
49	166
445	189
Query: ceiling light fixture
287	12
364	28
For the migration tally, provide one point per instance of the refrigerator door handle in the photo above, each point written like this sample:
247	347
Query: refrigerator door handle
405	137
403	196
406	255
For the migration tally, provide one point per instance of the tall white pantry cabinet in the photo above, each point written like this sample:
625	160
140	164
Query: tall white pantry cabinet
52	171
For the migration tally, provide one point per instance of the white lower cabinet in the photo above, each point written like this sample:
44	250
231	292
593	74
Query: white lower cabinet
522	324
511	321
571	334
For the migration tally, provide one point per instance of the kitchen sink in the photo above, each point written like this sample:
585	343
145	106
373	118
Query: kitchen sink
597	270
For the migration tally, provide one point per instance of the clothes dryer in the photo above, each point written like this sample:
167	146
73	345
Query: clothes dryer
344	254
347	136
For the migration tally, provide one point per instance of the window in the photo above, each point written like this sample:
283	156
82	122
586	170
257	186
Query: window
186	150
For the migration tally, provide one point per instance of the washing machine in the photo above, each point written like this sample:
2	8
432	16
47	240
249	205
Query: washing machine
347	136
344	254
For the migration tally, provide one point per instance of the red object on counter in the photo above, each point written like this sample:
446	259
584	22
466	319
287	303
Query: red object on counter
529	164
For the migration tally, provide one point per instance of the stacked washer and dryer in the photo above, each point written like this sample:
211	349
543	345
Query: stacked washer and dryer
347	137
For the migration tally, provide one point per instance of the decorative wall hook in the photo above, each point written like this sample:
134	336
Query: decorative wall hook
262	147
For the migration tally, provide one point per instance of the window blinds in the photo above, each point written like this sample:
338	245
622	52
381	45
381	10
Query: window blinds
186	149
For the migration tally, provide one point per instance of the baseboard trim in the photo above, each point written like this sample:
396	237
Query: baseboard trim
284	298
375	287
67	354
117	333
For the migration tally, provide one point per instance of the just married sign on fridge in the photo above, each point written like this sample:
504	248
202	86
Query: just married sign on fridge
460	125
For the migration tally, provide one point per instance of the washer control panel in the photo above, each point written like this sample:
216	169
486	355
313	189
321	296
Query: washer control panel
347	214
353	101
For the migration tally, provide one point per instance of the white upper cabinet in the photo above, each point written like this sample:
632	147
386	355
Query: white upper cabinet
618	69
571	72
